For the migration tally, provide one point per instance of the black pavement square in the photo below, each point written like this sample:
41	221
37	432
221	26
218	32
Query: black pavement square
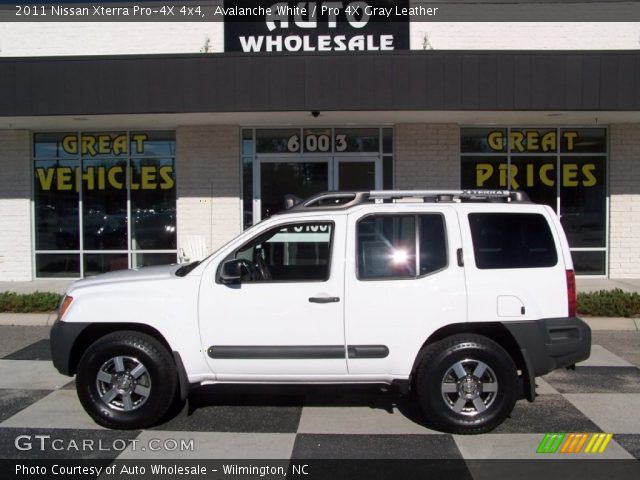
238	408
63	443
40	350
13	400
595	380
630	442
339	446
548	413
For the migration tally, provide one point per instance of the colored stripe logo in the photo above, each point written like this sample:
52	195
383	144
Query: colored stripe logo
574	443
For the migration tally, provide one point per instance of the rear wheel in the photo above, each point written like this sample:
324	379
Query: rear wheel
126	380
466	384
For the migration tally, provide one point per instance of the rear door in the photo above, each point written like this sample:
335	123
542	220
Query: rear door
402	282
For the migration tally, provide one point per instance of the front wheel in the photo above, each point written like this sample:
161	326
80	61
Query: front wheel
126	380
466	384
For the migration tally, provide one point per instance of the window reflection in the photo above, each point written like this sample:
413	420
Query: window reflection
56	205
387	246
104	204
153	204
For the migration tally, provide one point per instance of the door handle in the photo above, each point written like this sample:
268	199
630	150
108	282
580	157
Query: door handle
324	299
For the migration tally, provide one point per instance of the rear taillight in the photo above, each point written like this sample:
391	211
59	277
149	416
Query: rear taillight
571	292
64	306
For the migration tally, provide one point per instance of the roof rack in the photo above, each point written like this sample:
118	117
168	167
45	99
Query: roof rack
452	195
343	200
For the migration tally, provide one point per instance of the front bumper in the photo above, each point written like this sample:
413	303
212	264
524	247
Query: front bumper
63	337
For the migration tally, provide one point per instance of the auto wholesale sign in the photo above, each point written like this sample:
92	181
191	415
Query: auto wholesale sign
253	26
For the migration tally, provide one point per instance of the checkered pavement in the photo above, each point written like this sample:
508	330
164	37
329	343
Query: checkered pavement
323	422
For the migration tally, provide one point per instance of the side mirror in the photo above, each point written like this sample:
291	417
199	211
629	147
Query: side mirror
231	271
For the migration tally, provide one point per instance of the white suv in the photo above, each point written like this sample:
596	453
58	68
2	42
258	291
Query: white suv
463	297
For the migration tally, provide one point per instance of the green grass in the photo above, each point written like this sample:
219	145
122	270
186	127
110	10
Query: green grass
11	302
609	303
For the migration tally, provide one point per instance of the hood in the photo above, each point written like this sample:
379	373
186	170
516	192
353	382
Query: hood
144	273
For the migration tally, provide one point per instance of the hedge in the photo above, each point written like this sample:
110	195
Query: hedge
29	302
609	303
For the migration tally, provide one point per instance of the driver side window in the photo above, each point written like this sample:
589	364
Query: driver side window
299	252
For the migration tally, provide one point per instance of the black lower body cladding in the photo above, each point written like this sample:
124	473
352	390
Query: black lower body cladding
551	343
62	338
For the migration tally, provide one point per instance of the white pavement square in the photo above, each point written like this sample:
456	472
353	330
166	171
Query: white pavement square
59	409
30	375
601	357
612	412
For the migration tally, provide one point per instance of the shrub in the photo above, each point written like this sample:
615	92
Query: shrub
29	302
609	303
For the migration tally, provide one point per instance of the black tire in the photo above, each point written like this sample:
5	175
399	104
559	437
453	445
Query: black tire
116	358
464	403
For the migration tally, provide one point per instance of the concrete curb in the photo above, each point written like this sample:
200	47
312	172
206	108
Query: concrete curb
613	323
27	319
47	319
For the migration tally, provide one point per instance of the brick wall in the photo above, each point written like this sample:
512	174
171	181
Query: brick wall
427	156
523	35
624	182
120	38
15	206
108	38
208	183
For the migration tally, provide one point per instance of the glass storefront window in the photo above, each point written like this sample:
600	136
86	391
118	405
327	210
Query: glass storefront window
488	172
104	204
564	168
357	140
153	204
583	140
537	176
316	140
483	140
50	145
58	265
278	140
102	201
302	179
387	140
57	224
583	196
96	263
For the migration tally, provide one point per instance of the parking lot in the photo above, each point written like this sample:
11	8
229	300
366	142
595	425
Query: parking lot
324	422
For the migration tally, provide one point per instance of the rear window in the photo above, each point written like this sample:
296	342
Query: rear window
512	240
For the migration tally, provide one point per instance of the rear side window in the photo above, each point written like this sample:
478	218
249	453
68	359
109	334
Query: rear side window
512	240
400	246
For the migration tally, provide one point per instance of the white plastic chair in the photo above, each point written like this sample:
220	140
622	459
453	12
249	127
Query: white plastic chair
192	248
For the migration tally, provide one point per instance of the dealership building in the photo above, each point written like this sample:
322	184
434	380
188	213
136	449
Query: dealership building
119	153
